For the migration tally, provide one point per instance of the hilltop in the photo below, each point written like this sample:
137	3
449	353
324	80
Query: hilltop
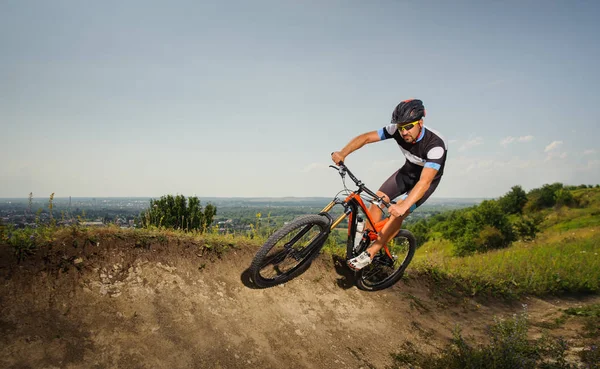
135	298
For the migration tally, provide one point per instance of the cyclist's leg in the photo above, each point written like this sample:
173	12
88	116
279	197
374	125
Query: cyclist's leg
375	211
391	188
389	230
395	224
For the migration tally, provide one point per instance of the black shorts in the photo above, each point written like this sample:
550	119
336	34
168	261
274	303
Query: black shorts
401	182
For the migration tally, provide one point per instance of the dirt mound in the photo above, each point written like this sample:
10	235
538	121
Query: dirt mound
122	304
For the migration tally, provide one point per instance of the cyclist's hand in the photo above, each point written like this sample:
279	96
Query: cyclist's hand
337	157
396	210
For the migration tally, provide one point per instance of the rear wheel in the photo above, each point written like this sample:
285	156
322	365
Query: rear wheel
288	250
384	271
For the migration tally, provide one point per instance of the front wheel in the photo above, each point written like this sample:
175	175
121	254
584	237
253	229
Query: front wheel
385	270
284	254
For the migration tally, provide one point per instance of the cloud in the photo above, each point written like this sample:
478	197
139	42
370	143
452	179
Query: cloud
314	166
553	146
471	143
525	138
589	152
556	155
508	140
480	166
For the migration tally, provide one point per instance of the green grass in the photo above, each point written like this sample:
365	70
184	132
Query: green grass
587	220
554	265
565	218
565	258
591	319
28	241
508	348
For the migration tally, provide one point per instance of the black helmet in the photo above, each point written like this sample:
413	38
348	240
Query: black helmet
408	111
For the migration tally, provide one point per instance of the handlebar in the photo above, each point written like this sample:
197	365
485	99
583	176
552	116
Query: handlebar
343	169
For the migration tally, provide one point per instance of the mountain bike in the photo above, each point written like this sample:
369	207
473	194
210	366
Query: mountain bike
289	251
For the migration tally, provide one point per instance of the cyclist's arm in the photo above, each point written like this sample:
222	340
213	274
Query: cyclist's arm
356	143
427	176
436	157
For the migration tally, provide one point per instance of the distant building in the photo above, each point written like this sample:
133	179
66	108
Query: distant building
92	224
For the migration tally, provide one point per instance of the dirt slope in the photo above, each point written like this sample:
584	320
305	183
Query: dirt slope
167	306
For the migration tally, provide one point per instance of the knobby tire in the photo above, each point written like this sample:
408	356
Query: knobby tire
286	252
384	272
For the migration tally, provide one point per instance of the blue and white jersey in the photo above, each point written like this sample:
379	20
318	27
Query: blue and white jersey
429	151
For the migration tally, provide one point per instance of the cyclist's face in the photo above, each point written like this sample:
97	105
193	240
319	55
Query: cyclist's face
411	135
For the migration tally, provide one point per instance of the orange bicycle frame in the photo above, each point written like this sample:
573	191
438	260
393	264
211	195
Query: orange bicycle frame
353	202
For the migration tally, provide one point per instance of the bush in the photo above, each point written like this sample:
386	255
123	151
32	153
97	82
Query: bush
564	198
509	348
465	245
479	229
2	228
526	228
421	232
177	213
489	238
542	198
26	241
455	225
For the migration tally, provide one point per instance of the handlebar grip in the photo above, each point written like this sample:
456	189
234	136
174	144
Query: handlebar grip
341	162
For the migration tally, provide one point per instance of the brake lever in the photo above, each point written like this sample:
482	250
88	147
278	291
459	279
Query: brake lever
340	169
380	202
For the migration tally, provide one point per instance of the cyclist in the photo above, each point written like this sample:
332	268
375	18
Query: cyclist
425	151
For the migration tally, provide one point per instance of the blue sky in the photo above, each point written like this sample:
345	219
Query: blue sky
239	98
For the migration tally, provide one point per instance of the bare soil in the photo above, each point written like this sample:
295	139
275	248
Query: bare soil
119	304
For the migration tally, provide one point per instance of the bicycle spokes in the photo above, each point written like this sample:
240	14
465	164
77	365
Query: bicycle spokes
291	250
388	265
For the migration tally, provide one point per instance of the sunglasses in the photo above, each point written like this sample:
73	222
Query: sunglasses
407	126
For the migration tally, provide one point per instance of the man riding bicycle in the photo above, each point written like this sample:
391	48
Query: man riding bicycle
425	151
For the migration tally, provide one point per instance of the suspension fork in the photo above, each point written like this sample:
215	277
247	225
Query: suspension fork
330	206
351	205
352	210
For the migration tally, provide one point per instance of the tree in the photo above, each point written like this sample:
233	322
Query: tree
542	198
209	212
479	229
455	225
514	201
489	213
421	232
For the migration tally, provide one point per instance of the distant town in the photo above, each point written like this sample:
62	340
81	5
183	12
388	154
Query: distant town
233	213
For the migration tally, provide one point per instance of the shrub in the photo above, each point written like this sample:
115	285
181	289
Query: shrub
542	198
26	241
509	348
2	228
526	228
564	198
421	232
489	238
479	229
177	213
